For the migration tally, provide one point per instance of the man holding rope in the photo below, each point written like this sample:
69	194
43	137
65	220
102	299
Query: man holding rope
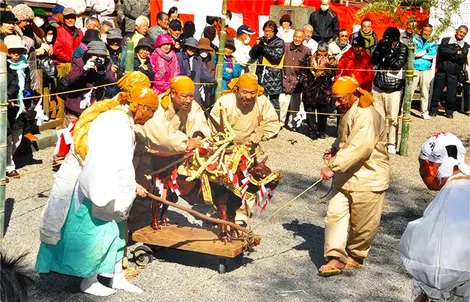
359	165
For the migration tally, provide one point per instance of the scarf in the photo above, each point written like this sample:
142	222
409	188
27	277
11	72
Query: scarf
368	38
341	45
20	68
228	62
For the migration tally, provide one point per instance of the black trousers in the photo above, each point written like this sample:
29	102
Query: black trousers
312	118
466	97
442	80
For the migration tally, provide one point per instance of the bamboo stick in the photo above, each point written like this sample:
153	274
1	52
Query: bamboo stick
3	138
407	100
200	215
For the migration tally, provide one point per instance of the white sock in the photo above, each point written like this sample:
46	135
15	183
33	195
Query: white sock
120	282
93	287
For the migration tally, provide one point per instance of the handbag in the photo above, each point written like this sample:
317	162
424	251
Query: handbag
463	76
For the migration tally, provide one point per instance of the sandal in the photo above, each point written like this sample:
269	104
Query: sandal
352	264
328	270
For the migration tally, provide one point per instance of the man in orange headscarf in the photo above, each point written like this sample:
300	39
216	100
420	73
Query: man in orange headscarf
359	162
175	128
250	113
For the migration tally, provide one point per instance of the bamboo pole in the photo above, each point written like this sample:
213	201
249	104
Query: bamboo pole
220	57
3	138
407	100
130	56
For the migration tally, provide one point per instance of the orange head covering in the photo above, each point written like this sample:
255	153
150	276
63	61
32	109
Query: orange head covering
245	81
131	79
346	85
140	95
182	84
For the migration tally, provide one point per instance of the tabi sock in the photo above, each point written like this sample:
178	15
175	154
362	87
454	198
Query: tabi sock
120	282
93	287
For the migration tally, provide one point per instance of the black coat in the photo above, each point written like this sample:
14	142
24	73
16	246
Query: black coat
449	61
384	57
17	123
137	67
325	25
268	77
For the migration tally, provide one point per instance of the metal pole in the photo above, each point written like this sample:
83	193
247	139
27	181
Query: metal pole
220	57
3	138
130	56
407	100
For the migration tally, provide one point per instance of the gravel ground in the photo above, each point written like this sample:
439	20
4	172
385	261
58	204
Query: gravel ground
284	266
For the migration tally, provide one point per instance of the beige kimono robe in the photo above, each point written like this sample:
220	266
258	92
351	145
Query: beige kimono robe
258	117
361	163
167	131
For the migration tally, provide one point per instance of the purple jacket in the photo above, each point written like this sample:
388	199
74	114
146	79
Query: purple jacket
79	79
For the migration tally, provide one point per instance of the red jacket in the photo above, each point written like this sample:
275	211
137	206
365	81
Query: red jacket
359	67
65	43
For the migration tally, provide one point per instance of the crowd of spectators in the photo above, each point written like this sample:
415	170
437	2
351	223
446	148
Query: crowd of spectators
295	63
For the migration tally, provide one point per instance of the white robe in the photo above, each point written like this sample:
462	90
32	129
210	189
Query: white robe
435	249
111	142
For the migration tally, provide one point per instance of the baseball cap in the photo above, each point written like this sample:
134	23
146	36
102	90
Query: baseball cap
243	29
175	25
69	11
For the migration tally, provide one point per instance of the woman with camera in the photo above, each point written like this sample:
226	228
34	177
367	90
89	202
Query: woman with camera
92	69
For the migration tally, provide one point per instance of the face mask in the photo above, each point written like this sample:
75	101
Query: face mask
247	40
204	54
324	7
104	38
38	21
49	38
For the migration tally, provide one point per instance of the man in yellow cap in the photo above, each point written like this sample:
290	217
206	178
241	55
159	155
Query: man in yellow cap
175	128
359	165
249	111
251	115
84	222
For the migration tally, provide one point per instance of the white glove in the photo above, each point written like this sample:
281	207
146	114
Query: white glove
90	64
419	54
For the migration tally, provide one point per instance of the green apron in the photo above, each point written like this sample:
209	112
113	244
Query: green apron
88	245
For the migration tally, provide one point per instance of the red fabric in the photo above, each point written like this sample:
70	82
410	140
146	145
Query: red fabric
156	6
251	9
64	44
351	66
186	17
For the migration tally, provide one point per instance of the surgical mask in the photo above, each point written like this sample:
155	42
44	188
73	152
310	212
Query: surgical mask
247	40
324	7
104	38
38	21
49	38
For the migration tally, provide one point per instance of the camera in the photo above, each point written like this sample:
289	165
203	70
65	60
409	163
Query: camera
100	64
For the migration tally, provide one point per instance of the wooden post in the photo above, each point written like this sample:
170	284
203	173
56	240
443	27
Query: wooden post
3	138
220	57
130	56
407	100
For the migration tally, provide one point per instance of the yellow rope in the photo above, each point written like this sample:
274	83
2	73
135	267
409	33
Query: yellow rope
286	204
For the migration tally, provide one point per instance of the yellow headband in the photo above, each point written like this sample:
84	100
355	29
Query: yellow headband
346	85
182	84
245	81
131	79
142	96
